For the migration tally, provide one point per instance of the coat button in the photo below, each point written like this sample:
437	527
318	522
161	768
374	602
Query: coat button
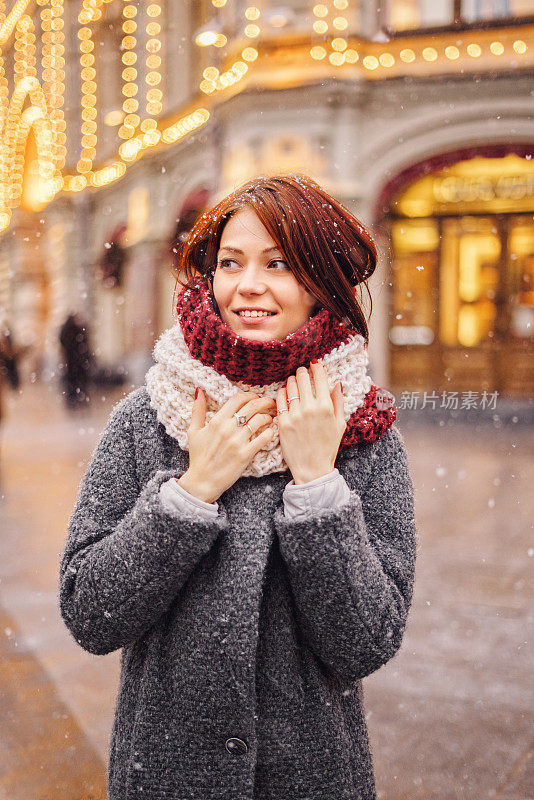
236	746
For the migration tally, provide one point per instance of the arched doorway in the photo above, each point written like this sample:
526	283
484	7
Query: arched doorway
194	205
461	311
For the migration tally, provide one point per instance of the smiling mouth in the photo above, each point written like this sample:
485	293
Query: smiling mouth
254	317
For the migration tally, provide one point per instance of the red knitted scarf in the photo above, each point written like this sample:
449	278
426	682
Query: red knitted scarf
253	362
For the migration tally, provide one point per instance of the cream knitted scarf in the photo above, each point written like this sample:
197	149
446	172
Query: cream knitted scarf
201	350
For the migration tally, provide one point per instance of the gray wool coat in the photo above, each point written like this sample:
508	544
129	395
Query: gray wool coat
244	637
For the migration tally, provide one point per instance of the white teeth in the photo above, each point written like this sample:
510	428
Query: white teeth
254	313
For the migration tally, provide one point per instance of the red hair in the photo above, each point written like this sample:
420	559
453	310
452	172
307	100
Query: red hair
327	248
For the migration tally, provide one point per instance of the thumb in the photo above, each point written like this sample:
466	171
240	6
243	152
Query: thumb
198	413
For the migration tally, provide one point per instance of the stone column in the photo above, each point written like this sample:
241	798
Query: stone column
140	290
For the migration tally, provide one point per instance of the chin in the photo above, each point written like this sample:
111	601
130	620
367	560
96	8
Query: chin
266	336
251	332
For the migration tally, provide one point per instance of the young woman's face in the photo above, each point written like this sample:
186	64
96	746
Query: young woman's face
251	274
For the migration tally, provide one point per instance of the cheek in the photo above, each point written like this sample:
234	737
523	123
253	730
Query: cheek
219	293
298	303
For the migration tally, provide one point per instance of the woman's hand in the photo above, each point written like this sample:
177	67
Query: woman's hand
312	428
220	450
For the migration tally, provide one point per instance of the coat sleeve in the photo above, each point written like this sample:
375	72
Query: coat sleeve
352	567
127	555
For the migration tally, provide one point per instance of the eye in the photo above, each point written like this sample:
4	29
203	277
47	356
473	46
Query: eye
224	261
279	261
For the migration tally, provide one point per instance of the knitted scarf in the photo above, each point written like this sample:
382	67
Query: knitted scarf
201	350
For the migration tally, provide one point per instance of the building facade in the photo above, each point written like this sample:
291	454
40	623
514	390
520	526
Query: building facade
416	116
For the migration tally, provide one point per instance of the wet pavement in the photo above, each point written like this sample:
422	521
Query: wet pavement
450	717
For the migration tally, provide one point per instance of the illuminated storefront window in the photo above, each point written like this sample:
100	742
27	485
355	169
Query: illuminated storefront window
469	280
521	260
416	247
405	15
462	293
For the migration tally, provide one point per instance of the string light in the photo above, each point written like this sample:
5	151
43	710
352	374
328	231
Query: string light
53	76
185	125
18	120
5	212
248	53
329	22
317	52
452	52
213	81
10	22
370	62
154	94
36	101
113	172
88	98
430	53
130	104
474	50
18	127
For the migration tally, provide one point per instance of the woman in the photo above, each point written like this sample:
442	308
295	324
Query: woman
245	531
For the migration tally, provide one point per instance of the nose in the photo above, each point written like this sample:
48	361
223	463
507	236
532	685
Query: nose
251	281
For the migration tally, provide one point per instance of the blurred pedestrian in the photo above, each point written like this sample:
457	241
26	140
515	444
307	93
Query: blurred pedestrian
10	355
77	361
9	365
247	624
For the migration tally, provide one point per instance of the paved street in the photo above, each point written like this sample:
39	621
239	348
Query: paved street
450	717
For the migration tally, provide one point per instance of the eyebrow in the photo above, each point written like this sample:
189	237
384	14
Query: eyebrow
237	250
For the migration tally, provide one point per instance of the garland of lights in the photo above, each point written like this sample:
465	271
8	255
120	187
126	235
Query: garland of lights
340	54
140	129
5	214
53	63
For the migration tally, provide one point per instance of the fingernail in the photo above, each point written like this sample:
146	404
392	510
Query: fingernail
313	361
341	385
196	393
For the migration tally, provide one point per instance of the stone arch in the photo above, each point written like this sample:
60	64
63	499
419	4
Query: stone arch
192	185
431	136
438	161
426	149
193	200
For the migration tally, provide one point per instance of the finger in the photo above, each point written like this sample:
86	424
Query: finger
256	422
292	390
198	413
256	401
235	403
259	441
339	402
322	389
304	384
281	400
259	405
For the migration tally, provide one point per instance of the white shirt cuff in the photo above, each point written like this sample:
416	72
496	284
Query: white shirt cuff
176	498
327	491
